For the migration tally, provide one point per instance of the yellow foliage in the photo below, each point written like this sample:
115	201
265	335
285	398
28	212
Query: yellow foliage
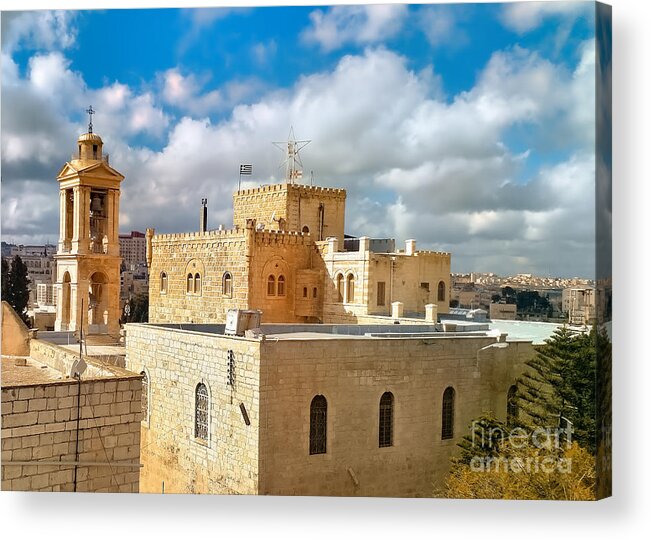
526	472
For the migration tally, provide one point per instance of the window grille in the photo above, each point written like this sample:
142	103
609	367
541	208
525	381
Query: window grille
201	416
318	425
386	420
447	414
230	376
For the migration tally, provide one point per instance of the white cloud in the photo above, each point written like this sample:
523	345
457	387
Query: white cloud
440	25
38	30
415	164
359	25
526	16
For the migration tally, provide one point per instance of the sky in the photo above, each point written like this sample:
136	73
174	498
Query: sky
469	127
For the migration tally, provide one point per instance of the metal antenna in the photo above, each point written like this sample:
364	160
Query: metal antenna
294	165
90	112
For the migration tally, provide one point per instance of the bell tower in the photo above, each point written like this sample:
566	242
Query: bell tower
88	255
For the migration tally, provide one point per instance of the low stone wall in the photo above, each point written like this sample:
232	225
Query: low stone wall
44	448
62	359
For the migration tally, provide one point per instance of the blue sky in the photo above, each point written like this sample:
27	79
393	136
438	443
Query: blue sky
469	127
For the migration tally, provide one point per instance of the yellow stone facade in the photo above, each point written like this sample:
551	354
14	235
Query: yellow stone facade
259	427
88	255
286	256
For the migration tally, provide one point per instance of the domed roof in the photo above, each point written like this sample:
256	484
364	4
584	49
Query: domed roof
88	137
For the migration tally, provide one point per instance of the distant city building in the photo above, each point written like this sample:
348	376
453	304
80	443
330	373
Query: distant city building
45	294
580	305
500	310
133	249
39	260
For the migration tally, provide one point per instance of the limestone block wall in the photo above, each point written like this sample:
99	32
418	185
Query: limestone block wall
278	253
213	254
260	204
353	374
39	424
305	204
175	363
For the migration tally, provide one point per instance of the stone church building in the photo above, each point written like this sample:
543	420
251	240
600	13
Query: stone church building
287	256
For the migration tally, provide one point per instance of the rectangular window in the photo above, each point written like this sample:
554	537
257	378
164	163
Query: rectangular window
381	290
425	286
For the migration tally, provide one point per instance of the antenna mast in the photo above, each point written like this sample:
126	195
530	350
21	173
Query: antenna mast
293	163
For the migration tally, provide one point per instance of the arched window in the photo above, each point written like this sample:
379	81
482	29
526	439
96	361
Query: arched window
281	285
201	414
512	410
163	282
447	414
190	284
441	292
271	286
318	425
386	420
306	229
350	295
144	399
227	284
340	288
197	284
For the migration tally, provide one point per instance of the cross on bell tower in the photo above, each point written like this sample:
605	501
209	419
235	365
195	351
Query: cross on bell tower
90	112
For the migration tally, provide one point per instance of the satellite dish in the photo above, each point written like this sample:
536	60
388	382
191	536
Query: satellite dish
78	368
261	226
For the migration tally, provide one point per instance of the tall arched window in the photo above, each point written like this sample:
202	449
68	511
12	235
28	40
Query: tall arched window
350	295
281	285
386	420
144	399
227	284
318	425
163	282
201	412
441	291
197	284
447	414
340	288
190	284
271	286
512	410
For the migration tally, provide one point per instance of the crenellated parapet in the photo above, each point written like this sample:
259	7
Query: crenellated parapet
293	238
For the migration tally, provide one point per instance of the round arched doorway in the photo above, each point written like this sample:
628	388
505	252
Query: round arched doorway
97	304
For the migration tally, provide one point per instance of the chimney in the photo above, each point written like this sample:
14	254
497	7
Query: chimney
203	218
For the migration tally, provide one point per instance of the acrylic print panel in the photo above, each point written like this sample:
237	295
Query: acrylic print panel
399	284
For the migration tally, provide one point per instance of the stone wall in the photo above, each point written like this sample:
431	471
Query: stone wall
353	374
15	334
39	423
175	363
212	254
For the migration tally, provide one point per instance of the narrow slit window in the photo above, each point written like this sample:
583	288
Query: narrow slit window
386	420
201	416
447	414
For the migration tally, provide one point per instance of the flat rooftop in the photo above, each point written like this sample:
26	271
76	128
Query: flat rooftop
22	370
346	331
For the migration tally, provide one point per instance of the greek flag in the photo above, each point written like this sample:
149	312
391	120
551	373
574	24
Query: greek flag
246	169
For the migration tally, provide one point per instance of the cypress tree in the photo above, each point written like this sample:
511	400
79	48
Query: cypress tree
5	280
18	288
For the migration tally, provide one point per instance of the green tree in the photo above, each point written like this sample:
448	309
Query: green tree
561	384
5	279
138	309
18	288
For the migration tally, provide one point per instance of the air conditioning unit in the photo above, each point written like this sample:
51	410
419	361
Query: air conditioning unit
240	320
